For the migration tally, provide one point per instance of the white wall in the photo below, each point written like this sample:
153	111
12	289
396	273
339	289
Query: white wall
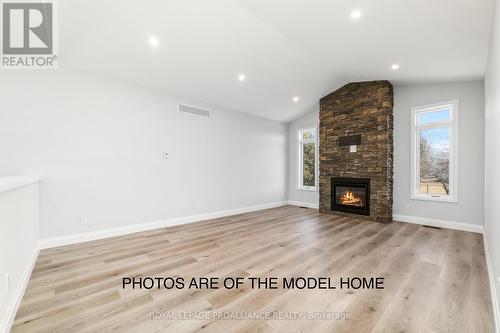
311	119
492	154
470	95
18	246
99	145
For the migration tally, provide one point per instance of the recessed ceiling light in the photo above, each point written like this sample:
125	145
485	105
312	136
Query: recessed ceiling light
242	77
395	67
154	41
356	14
296	99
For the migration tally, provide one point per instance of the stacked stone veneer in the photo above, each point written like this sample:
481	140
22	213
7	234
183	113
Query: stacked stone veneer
364	108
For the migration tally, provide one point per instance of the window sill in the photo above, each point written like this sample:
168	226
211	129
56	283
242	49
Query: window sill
439	199
307	189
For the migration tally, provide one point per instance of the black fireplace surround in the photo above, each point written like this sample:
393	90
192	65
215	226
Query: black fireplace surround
351	195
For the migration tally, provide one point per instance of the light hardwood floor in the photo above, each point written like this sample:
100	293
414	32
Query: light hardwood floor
435	279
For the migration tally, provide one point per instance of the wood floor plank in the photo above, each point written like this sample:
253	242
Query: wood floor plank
435	279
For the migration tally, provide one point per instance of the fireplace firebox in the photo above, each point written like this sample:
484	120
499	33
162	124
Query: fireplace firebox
351	195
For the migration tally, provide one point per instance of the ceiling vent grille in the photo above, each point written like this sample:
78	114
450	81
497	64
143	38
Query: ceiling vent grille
194	110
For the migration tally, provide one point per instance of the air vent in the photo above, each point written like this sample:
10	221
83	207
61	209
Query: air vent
194	110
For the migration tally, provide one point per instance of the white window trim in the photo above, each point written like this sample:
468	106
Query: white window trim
300	187
415	148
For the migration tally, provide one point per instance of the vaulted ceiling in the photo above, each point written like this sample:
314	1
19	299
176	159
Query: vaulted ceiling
285	48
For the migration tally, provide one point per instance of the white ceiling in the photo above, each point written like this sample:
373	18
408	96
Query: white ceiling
286	48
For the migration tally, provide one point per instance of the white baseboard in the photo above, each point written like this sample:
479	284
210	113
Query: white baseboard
494	299
106	233
10	313
303	204
439	223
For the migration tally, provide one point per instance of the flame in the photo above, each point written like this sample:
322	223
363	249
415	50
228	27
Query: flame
351	199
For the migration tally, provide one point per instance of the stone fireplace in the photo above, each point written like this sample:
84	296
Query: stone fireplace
355	151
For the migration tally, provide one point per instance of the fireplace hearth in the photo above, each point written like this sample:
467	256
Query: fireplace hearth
351	195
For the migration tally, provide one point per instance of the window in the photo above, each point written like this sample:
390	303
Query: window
434	164
307	159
